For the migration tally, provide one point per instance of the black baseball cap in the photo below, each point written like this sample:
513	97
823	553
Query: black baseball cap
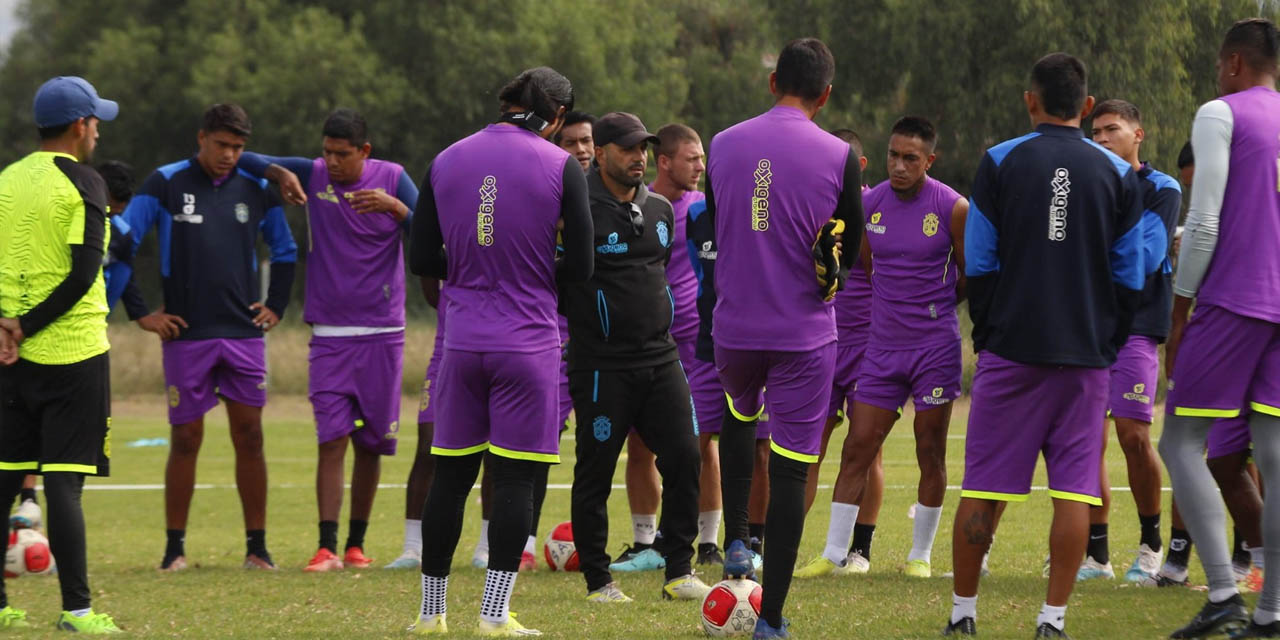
622	129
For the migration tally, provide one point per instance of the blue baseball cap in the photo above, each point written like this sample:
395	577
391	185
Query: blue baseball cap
65	99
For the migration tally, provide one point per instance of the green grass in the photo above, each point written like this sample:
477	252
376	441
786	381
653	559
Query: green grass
218	599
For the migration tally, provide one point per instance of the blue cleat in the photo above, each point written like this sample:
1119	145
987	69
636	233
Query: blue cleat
647	560
764	631
739	561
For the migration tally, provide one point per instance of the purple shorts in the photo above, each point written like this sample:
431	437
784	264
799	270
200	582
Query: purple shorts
1228	436
1227	365
845	382
198	372
930	375
1020	411
704	386
1133	379
764	428
799	385
504	402
355	389
566	403
427	408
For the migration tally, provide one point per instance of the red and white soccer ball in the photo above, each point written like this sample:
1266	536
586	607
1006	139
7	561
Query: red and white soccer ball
559	550
28	553
731	609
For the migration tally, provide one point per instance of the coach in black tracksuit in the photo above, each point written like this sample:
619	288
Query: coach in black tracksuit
624	370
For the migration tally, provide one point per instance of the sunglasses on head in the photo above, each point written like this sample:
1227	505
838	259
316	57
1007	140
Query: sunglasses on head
637	220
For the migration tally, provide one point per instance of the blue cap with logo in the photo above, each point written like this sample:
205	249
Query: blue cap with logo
65	99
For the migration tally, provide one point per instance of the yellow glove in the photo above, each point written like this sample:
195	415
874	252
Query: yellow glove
826	259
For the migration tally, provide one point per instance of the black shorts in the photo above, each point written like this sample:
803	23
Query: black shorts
56	417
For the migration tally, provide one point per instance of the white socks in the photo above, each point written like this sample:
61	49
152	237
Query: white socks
497	596
530	544
1055	616
1264	617
962	608
645	527
1256	557
923	530
434	596
413	536
482	545
840	531
708	527
1222	595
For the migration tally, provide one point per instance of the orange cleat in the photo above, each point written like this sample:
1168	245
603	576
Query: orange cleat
354	557
324	560
528	562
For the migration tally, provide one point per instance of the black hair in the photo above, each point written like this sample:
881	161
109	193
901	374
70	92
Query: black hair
1061	81
1186	157
671	136
541	90
1257	42
346	124
916	127
852	137
119	179
575	117
226	117
805	69
1123	108
49	133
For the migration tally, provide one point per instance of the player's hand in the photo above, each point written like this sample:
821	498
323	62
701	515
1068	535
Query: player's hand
1181	311
166	325
826	258
375	201
290	187
266	318
10	336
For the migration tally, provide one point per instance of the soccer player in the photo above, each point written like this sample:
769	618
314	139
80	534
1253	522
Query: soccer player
55	395
117	272
779	190
1223	362
624	366
208	215
853	321
1044	205
1117	126
575	137
915	232
357	211
486	224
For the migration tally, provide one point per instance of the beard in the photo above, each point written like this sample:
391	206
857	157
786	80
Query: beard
622	177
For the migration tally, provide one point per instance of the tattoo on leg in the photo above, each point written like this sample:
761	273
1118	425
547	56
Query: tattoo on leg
977	530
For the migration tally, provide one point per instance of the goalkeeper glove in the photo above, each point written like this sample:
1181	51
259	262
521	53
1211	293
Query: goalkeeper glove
826	259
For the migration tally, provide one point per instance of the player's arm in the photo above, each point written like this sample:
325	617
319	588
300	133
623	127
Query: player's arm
578	262
959	216
1128	260
1161	213
145	212
407	194
864	253
379	201
849	211
284	260
291	173
431	291
426	240
982	248
121	250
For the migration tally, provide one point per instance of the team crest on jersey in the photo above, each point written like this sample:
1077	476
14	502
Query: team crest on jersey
602	428
242	212
1138	394
664	236
328	194
930	225
874	225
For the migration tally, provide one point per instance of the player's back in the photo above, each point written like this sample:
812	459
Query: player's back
775	180
498	195
1244	273
1052	245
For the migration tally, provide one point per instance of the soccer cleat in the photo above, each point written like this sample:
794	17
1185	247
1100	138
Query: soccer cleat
918	569
432	624
1215	618
1144	566
764	630
508	629
92	623
1091	569
528	562
965	626
480	559
324	560
610	593
855	563
354	557
11	618
407	560
259	561
1168	576
817	567
26	517
176	563
687	587
647	560
1252	582
739	561
1046	630
1241	562
709	553
1255	630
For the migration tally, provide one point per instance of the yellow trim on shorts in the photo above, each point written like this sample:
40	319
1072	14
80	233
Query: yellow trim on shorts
1076	497
994	495
19	466
359	424
69	467
550	458
1206	413
441	451
1265	408
794	455
739	415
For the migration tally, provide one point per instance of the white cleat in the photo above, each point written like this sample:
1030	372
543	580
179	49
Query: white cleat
28	516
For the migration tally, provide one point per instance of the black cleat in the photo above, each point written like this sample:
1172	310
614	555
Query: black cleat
1255	630
965	626
631	551
709	553
1046	630
1216	617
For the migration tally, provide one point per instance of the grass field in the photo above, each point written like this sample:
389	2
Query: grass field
218	599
